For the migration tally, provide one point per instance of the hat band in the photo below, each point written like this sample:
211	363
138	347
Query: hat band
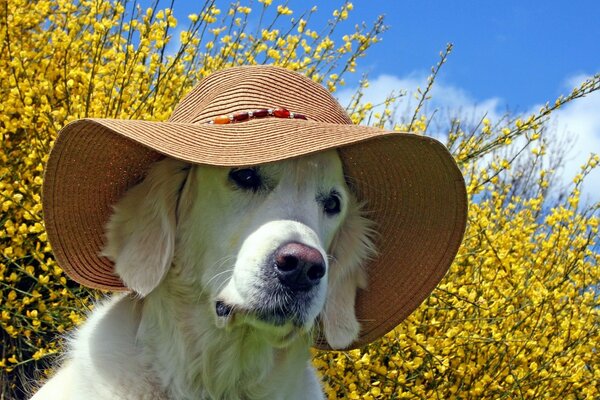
261	113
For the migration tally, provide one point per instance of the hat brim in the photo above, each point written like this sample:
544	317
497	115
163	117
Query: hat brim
414	192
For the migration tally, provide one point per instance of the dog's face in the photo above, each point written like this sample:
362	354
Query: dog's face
273	246
274	224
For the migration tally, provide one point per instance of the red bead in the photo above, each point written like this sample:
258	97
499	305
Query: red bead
281	113
240	116
260	113
221	119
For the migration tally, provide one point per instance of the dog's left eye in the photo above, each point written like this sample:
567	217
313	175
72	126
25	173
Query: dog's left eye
332	204
246	178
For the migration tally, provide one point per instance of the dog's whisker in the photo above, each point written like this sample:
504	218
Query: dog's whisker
220	287
224	282
217	265
217	275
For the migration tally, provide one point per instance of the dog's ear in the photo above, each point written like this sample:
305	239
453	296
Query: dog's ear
141	231
351	248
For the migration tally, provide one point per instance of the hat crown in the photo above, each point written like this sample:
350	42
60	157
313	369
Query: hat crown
250	88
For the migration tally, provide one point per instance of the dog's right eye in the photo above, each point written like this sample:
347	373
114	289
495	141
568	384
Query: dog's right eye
246	178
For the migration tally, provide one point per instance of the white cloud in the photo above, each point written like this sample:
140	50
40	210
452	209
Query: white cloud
448	99
579	119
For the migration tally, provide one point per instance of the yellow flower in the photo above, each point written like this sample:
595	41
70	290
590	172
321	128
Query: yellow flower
284	10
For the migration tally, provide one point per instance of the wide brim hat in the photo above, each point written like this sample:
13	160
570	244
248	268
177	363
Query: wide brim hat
413	189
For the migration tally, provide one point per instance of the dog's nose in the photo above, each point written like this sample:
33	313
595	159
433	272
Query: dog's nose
299	266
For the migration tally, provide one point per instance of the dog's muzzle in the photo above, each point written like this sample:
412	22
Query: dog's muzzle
279	285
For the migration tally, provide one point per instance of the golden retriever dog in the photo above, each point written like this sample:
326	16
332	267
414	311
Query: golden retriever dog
233	273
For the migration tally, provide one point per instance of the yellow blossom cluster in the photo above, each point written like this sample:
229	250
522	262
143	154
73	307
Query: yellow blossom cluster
518	314
63	60
516	317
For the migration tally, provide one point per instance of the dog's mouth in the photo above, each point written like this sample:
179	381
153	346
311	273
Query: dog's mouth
276	317
271	310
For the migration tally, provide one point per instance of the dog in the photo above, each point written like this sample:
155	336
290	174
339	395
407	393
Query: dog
232	273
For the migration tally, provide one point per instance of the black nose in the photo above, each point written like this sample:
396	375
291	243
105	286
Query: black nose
298	266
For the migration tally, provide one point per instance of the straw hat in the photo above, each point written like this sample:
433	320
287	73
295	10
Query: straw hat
413	189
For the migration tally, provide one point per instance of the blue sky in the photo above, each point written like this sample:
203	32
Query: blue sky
510	55
519	51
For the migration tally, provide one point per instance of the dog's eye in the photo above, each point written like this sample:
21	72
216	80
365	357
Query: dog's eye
332	203
246	178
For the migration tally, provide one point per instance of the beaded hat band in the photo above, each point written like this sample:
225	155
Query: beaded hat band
262	113
412	188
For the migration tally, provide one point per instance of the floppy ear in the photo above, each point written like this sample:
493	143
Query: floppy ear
141	231
351	248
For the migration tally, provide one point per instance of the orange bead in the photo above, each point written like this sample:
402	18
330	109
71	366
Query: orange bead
221	119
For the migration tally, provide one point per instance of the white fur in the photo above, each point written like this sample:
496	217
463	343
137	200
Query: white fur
186	238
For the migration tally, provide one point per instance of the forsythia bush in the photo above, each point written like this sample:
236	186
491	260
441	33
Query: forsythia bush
518	315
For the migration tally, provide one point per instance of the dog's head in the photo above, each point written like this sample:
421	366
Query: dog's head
274	246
